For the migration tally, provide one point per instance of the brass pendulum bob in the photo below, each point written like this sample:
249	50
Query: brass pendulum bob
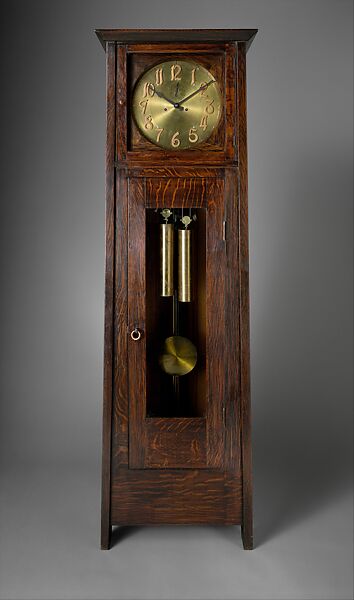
166	254
179	354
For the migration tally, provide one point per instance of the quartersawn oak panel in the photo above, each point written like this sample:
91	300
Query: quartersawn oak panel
216	334
243	265
120	376
109	301
176	192
155	497
175	442
136	319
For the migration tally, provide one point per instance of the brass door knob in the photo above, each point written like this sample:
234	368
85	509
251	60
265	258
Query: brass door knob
135	334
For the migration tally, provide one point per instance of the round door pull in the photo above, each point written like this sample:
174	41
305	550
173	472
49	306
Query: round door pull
135	334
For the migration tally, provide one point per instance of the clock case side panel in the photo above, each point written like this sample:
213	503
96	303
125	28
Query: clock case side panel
109	299
245	395
222	150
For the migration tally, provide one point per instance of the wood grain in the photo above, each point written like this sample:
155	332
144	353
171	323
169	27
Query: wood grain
232	338
136	319
215	322
120	392
121	104
109	292
176	443
156	497
247	521
146	36
185	171
176	192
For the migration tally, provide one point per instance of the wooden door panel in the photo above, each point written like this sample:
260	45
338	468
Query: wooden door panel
196	439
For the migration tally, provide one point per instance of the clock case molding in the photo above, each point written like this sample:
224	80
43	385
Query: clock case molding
190	470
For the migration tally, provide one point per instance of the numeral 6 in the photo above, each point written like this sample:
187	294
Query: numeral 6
175	141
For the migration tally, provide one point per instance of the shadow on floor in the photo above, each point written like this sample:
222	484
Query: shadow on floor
296	475
122	533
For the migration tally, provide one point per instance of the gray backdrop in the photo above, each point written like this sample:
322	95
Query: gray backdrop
300	83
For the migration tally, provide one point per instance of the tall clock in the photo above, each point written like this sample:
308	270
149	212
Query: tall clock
176	405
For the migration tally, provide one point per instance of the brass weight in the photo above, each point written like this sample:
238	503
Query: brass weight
166	259
184	265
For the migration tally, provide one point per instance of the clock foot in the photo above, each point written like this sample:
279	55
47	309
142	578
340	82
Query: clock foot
106	536
247	537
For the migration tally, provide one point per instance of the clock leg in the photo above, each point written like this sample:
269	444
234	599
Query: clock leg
247	535
106	535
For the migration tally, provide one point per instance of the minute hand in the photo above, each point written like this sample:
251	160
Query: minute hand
201	89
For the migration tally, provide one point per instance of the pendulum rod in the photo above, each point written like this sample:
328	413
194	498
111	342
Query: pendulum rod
175	329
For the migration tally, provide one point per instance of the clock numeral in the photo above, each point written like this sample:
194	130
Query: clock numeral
204	122
209	109
149	89
176	70
193	136
159	132
148	122
203	88
143	104
193	76
159	76
175	141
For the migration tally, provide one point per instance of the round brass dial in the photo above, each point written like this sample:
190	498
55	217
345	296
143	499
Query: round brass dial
177	104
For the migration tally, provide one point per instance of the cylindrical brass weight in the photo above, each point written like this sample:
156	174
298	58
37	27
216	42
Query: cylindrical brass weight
184	265
166	259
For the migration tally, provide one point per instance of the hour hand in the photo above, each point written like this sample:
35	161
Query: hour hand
160	95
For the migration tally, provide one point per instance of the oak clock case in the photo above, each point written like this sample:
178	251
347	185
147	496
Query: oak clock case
176	412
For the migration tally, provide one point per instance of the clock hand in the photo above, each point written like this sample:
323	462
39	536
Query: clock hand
202	87
160	95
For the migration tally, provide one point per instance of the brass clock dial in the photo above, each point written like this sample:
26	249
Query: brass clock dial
177	104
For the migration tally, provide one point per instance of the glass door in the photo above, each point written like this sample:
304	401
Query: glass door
176	315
